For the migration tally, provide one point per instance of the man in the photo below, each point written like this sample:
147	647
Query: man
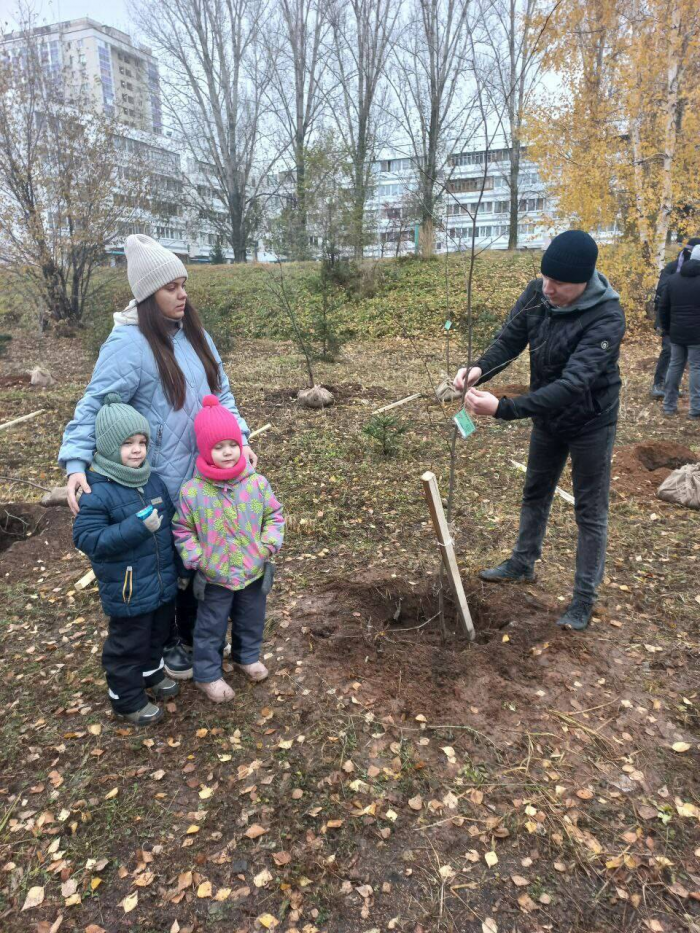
573	324
679	314
657	389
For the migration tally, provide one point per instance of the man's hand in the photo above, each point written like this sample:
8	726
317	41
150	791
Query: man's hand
76	481
480	403
251	457
461	378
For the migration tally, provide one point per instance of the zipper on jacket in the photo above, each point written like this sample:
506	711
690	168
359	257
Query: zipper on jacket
157	444
155	541
128	585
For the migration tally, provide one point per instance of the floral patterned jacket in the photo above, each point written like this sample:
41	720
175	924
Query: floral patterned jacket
227	530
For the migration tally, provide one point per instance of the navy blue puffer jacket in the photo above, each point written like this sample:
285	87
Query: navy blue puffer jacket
136	570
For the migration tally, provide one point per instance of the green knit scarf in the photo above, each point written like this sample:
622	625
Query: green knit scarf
125	476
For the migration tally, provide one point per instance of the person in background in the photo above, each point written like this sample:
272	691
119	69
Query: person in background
679	314
572	323
657	389
160	360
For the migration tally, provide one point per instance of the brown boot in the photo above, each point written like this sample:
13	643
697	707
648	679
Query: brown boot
218	691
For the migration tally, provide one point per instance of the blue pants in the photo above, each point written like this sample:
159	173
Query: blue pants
680	355
246	608
591	457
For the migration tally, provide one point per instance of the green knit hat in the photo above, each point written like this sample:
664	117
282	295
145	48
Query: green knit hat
114	423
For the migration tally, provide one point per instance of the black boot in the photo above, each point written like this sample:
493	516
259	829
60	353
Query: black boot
507	572
578	615
178	661
657	390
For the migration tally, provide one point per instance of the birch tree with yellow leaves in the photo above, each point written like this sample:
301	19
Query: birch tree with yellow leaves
618	139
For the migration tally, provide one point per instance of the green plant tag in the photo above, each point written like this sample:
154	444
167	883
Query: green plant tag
448	325
464	423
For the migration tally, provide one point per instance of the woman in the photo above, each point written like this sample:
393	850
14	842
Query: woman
160	360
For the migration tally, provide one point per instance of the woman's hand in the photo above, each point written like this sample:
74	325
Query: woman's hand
251	457
480	403
76	481
461	378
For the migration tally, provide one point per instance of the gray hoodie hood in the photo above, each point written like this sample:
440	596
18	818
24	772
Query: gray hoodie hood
597	291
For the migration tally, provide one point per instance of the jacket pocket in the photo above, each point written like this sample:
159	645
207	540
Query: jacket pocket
128	587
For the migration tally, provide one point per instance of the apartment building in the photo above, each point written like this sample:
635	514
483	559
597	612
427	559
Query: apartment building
474	200
103	65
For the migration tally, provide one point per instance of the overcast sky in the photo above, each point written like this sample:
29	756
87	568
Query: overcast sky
113	13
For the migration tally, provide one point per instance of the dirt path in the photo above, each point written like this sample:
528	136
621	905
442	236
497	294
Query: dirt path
384	778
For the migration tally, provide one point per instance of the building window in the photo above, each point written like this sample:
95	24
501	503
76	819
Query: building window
460	185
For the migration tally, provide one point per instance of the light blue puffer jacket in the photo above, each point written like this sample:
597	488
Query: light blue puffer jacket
126	365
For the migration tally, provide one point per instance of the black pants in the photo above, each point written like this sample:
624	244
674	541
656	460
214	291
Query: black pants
591	457
133	656
663	361
184	618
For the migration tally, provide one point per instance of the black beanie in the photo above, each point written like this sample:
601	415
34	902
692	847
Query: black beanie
570	257
693	241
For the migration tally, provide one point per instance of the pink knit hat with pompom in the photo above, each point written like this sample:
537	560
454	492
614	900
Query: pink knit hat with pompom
213	424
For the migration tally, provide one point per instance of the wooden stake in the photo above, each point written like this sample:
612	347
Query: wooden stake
9	424
85	581
403	401
566	496
265	427
447	551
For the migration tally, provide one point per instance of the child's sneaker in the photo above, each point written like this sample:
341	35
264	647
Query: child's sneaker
146	716
165	688
218	691
255	672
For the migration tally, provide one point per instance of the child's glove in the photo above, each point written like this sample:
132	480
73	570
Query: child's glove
183	583
153	521
199	585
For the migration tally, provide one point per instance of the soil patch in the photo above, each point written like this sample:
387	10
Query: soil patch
344	392
639	469
20	379
511	389
18	521
29	533
385	630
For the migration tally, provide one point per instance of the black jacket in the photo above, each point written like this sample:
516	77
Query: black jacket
680	305
666	273
574	374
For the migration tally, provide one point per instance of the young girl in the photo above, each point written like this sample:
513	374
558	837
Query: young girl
124	528
229	524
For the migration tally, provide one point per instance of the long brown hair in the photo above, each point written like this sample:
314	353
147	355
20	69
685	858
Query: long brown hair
157	331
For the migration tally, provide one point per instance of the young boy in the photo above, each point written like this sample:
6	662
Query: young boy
124	528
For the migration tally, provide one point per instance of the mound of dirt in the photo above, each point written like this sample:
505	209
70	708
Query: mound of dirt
345	392
639	469
385	631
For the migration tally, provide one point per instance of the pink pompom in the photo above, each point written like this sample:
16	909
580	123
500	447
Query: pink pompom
209	401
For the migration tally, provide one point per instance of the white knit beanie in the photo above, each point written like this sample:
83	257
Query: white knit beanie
150	266
695	254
